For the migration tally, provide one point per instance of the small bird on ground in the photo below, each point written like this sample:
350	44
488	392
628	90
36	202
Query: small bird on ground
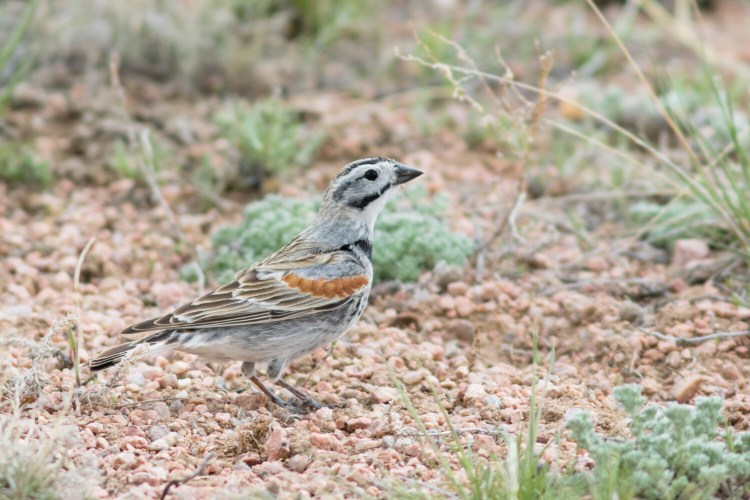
304	296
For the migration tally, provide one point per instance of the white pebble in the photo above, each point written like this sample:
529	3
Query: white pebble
172	438
493	401
158	445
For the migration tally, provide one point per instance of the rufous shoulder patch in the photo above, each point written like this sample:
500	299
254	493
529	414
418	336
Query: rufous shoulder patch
337	287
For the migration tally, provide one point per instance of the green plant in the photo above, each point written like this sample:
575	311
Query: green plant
270	137
125	160
718	143
12	69
717	174
31	465
325	21
675	452
122	161
411	236
681	218
20	164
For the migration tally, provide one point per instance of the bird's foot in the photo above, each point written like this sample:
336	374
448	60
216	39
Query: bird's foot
289	405
312	404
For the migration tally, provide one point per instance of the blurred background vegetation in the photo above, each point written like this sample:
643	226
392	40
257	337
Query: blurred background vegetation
239	96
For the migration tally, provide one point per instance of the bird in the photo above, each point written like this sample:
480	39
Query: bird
304	296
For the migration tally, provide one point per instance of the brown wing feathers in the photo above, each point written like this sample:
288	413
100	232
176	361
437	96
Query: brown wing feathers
252	300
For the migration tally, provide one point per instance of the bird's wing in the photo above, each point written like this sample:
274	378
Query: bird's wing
286	285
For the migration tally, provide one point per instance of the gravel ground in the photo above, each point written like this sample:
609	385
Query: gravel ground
606	311
468	343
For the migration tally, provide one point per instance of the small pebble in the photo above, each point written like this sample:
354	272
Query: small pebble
367	444
136	378
493	401
462	329
458	288
358	423
731	372
158	445
326	442
223	418
686	388
298	463
413	377
172	438
179	368
157	432
474	392
384	394
277	444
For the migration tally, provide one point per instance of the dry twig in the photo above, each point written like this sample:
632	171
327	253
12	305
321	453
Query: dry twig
145	401
74	332
101	394
197	472
412	432
28	387
697	340
655	287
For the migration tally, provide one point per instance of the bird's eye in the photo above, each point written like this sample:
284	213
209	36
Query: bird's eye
371	175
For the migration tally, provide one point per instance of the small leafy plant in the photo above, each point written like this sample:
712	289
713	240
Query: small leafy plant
679	219
32	464
411	236
124	160
324	21
675	452
270	138
12	66
21	165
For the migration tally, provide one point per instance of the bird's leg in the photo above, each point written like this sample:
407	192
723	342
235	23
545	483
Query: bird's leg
273	397
274	371
304	398
248	370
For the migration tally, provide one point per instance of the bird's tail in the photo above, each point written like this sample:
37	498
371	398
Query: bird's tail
157	342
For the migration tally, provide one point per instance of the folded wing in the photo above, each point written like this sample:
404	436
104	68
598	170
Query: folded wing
273	290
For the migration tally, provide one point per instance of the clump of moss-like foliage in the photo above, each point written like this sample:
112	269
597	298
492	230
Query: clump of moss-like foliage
270	137
411	236
675	452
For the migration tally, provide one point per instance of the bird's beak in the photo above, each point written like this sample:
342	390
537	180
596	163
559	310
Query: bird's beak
405	174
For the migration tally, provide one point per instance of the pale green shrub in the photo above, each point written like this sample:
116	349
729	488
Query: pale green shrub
20	164
679	451
32	463
412	236
270	137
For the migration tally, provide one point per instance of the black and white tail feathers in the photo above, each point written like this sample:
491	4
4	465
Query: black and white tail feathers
156	342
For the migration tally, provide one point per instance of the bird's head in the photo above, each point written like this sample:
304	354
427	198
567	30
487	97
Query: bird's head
356	196
364	186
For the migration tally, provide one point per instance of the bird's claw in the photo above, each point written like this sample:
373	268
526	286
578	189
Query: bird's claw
288	406
312	404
